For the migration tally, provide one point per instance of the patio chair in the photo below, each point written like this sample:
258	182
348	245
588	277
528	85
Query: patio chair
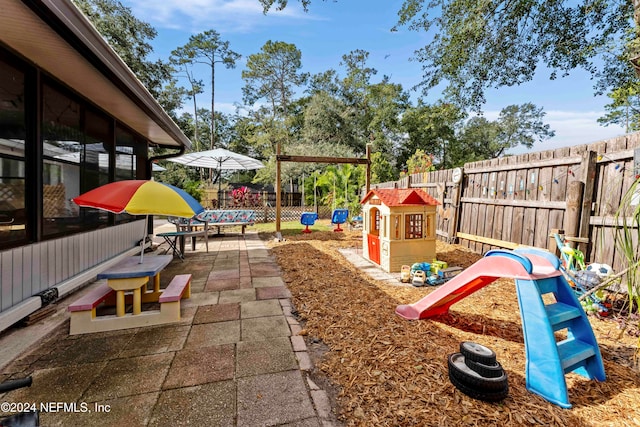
190	227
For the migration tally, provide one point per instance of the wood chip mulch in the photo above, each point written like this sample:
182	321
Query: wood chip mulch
387	371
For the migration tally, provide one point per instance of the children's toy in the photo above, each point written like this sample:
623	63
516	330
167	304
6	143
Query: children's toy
419	278
536	273
405	274
435	280
436	266
569	254
449	272
356	221
602	270
307	219
339	217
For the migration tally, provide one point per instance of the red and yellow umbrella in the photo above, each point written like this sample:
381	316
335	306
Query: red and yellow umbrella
141	197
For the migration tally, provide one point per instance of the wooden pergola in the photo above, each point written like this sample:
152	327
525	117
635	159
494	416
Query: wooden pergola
316	159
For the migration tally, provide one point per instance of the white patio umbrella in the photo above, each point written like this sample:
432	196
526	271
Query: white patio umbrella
219	159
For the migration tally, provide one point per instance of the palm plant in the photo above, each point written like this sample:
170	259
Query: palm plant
627	236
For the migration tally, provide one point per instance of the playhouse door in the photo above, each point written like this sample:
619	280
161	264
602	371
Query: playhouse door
373	238
374	248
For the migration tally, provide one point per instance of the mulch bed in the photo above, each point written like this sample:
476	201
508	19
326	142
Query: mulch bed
387	371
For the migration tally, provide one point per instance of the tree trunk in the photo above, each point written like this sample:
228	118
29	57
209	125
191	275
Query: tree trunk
634	56
213	111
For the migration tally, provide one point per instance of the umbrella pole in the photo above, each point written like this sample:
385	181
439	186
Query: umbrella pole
144	237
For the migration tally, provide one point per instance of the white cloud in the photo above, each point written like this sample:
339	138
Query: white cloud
571	128
226	16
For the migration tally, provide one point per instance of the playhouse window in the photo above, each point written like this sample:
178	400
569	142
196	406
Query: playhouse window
413	226
396	226
385	225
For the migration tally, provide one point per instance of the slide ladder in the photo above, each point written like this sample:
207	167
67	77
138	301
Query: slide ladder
548	360
536	273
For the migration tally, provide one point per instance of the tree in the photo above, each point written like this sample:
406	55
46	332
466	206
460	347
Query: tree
197	87
326	82
281	4
476	141
273	74
420	162
209	49
354	94
325	120
431	128
386	104
624	108
381	169
521	125
130	38
479	45
475	46
481	139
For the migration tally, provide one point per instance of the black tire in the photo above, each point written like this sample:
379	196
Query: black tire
487	371
478	352
487	396
459	369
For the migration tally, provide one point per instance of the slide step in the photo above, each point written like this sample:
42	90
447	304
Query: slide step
547	285
572	352
558	313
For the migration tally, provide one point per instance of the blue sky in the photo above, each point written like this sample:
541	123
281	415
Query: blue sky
332	29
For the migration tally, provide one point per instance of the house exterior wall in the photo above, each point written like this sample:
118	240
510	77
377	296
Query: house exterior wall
28	270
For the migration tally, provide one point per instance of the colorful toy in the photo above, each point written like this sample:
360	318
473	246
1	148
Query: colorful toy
436	266
419	278
405	274
450	272
536	273
339	217
307	219
569	254
602	270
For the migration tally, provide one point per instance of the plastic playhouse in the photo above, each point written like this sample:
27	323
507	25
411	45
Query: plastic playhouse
398	225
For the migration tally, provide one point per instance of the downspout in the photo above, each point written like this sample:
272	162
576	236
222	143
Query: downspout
150	160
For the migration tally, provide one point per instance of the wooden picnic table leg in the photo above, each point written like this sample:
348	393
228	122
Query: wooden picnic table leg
156	283
137	301
119	303
128	284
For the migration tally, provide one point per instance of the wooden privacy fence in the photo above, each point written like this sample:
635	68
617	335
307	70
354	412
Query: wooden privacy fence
522	199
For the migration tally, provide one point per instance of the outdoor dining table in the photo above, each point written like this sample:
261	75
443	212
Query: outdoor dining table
131	275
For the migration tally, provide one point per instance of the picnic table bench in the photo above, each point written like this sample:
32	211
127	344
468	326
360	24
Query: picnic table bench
126	285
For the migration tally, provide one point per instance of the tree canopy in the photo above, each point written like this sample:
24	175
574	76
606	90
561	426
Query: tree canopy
336	112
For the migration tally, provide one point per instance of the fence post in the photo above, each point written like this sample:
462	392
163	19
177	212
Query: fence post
453	219
588	177
574	208
552	244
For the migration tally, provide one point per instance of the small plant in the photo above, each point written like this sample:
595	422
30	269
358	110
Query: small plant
626	238
243	197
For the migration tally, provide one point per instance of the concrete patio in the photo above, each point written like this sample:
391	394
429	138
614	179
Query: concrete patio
235	359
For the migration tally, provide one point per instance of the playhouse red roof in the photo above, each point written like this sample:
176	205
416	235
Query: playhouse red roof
401	197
